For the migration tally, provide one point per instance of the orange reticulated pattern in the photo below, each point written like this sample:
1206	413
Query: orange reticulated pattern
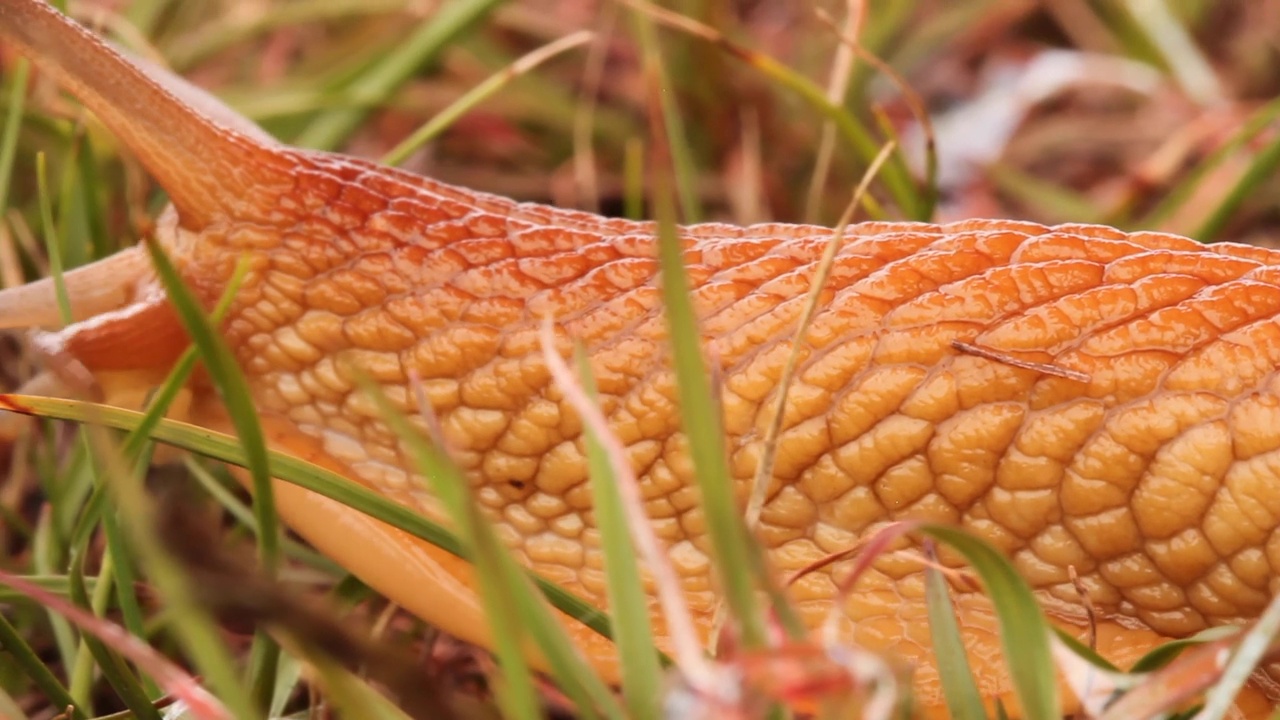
1156	478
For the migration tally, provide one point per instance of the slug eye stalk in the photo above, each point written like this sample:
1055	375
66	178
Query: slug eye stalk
202	153
102	286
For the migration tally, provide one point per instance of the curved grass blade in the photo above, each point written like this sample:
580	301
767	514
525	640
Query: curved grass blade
1169	651
499	575
1263	167
910	199
704	433
514	686
235	393
127	685
964	702
628	602
171	677
16	102
481	92
1024	633
194	628
234	389
292	470
29	662
1177	197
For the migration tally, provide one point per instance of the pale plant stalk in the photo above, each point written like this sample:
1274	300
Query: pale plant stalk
684	637
760	483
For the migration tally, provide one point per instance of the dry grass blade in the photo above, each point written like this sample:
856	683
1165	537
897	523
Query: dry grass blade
764	471
684	638
481	92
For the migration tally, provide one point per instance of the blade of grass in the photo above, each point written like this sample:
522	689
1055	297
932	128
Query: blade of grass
228	29
633	179
1169	651
292	470
31	664
53	249
495	566
1024	633
16	103
896	178
394	68
1178	196
837	87
238	400
226	375
1248	655
1263	167
658	83
193	627
478	94
174	679
57	584
964	702
703	430
641	672
127	686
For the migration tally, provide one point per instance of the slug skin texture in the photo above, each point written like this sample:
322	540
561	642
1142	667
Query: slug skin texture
1078	396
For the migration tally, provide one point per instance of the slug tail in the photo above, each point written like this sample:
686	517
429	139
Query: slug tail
202	164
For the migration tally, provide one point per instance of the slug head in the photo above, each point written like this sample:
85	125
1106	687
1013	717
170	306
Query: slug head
235	193
220	174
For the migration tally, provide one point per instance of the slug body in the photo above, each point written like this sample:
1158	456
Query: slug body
1117	410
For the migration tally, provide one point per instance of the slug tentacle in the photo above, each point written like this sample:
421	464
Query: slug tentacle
204	166
92	289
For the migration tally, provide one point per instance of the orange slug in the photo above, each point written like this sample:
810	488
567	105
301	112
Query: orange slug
1149	462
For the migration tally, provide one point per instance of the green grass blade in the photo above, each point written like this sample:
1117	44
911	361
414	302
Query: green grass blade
195	630
499	574
1024	633
1262	168
51	244
478	94
515	685
910	199
633	179
56	584
12	124
1177	197
292	470
395	67
20	652
703	429
113	667
641	671
660	91
1166	653
234	389
226	375
62	630
964	702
